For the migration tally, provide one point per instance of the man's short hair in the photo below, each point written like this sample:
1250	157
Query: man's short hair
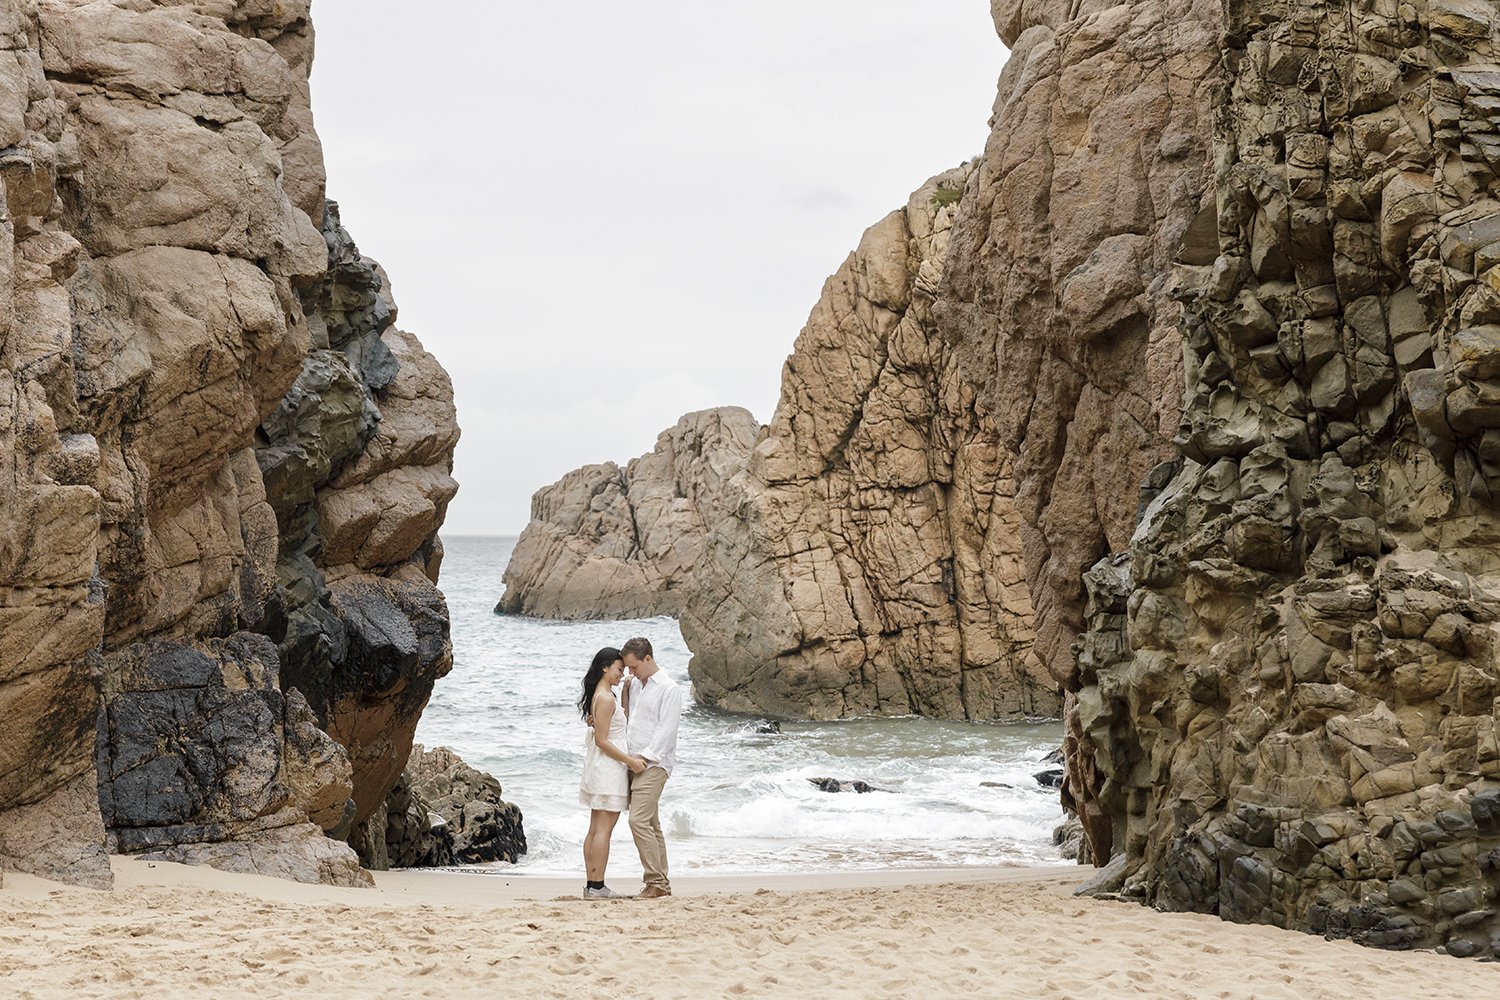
638	647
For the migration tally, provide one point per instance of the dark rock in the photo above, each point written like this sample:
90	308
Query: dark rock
200	756
371	678
1050	778
839	785
1068	837
484	827
760	727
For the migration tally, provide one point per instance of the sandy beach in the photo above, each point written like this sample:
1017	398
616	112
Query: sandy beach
170	931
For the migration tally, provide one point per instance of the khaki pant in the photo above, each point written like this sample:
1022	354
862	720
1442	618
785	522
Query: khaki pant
645	825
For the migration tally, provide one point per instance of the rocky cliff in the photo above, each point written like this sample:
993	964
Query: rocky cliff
224	466
1289	684
607	542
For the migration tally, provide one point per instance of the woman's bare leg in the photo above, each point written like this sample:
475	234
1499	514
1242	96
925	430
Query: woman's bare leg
596	843
601	841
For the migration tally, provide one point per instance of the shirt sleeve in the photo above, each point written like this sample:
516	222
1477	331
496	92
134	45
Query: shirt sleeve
666	727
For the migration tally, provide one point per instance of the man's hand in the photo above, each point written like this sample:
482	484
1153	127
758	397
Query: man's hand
637	764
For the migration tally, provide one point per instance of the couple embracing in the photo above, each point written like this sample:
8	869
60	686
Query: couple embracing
628	755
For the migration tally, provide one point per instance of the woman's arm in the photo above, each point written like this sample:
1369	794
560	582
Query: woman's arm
604	709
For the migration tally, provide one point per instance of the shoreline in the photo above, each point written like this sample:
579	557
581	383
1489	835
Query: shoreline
484	886
171	930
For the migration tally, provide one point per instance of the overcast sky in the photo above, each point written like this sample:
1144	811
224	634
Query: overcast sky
601	215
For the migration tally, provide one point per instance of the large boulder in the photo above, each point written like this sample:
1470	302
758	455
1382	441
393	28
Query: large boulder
873	562
484	826
440	811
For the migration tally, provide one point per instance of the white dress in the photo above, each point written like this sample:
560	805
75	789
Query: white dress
606	781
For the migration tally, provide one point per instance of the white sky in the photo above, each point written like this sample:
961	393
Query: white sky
601	215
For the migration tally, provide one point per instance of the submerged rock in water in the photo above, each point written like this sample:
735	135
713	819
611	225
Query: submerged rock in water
839	785
1050	778
761	727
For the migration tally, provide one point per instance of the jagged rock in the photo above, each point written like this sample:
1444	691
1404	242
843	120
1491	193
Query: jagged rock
317	770
760	727
356	460
1068	838
1096	176
606	542
483	825
205	417
1050	778
440	811
1286	706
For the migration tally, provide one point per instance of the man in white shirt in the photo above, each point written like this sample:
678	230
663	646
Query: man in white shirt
653	705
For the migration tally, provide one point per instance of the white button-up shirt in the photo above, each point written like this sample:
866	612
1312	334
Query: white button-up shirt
655	712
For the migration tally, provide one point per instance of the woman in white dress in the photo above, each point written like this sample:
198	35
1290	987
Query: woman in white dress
605	787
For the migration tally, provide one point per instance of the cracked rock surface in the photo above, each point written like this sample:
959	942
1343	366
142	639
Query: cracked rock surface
873	564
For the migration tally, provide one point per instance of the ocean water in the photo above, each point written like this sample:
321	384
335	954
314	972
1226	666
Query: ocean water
738	801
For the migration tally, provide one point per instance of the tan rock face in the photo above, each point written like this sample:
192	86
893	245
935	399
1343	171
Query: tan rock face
872	565
1054	297
606	542
1288	691
166	283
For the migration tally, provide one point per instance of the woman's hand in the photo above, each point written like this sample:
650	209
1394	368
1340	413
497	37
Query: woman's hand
636	764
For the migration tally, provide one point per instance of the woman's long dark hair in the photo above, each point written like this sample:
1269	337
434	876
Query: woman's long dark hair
602	660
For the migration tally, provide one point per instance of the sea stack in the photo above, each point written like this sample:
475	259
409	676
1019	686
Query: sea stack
610	542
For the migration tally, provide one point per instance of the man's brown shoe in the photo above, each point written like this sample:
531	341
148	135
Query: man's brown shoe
654	892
